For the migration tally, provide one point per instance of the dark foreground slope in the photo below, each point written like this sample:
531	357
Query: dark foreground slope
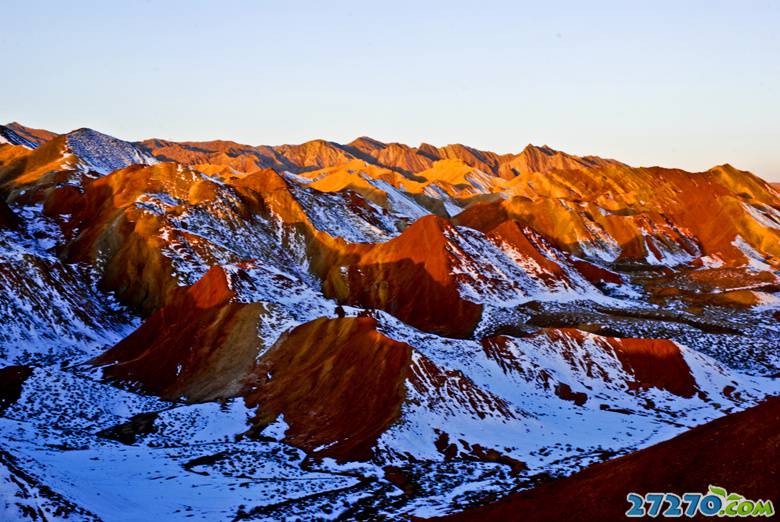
740	452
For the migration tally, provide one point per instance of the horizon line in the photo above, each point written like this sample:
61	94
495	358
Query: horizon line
365	136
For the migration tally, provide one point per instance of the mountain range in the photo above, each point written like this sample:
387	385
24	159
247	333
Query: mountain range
220	331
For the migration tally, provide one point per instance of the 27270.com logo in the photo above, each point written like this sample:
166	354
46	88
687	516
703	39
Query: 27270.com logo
716	502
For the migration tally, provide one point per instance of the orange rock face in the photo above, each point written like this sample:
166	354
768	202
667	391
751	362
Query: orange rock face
583	204
338	382
41	168
645	212
106	223
108	219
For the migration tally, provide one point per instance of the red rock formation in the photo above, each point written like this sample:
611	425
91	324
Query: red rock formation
545	159
656	363
9	154
338	382
577	202
492	219
646	210
393	155
106	224
200	346
595	274
416	159
244	158
409	277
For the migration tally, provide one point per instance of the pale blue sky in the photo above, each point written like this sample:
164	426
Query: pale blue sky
679	83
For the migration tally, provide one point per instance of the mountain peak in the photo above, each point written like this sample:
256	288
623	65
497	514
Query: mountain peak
543	149
103	153
367	141
28	136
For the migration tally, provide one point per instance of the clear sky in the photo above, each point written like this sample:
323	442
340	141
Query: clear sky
679	83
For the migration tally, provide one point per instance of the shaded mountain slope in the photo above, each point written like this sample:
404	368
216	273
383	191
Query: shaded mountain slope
47	302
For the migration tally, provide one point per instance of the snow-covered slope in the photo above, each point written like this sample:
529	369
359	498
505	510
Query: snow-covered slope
51	311
102	153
